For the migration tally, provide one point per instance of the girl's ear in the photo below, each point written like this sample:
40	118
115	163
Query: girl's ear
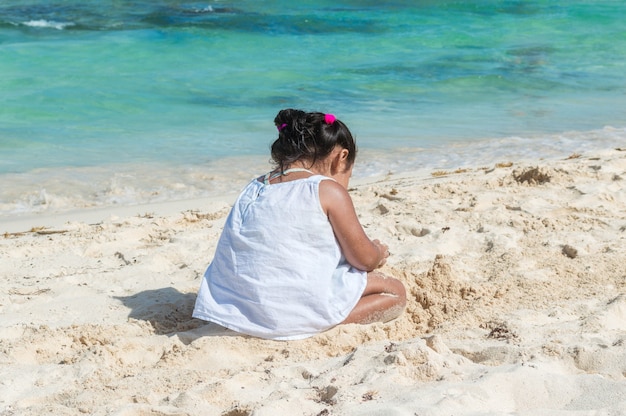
339	161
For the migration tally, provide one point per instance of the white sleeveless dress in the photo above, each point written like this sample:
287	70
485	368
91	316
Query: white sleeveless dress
278	271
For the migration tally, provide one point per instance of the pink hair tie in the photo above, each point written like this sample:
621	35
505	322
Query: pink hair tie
329	118
282	126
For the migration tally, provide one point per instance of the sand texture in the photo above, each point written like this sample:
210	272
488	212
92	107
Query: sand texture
516	275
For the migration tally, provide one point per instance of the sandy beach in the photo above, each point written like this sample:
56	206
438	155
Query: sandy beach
516	275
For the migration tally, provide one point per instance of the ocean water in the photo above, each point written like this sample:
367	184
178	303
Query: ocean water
120	103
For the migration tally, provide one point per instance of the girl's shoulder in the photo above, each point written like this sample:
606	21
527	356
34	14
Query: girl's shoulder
333	195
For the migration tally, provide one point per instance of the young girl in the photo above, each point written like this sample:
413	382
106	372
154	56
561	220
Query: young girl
293	259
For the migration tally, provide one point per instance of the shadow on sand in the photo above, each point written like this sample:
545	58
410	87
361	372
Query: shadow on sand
169	312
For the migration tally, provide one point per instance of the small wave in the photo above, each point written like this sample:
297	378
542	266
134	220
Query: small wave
207	9
48	24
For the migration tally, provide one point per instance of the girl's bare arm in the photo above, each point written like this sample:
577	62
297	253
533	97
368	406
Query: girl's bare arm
359	250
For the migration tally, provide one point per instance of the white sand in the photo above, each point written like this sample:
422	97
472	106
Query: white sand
517	306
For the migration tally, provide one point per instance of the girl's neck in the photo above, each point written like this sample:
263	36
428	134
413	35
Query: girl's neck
320	167
291	173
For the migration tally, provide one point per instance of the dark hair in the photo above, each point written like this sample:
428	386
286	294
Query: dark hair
309	136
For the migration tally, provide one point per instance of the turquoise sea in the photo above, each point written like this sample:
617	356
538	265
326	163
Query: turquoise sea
118	102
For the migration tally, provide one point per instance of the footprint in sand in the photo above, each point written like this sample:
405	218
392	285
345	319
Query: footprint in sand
412	229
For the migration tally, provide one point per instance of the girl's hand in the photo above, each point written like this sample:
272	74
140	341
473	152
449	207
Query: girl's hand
384	251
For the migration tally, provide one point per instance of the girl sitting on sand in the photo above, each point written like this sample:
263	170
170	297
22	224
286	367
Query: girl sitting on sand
293	259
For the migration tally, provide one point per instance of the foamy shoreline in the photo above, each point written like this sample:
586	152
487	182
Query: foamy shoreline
45	193
517	305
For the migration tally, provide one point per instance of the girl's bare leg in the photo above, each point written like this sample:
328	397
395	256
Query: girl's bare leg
383	299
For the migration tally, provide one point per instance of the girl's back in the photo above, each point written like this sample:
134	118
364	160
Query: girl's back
278	271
